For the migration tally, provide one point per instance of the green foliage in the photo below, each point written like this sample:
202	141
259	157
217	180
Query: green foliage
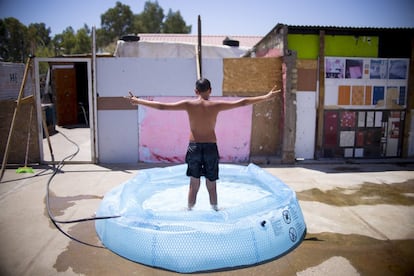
151	18
65	42
83	41
70	43
114	23
38	34
18	41
174	23
13	42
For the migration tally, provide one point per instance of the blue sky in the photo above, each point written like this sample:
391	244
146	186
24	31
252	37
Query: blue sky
222	17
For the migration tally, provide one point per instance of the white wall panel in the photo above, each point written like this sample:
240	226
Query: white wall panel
171	77
146	77
305	125
118	136
155	77
213	70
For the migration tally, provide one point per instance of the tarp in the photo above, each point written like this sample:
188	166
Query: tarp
147	49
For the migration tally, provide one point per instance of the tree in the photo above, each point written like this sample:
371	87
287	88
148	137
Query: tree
13	43
174	23
150	20
38	36
18	41
65	42
3	40
120	20
83	41
115	22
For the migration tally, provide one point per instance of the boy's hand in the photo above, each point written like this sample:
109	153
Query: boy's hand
131	95
272	93
131	98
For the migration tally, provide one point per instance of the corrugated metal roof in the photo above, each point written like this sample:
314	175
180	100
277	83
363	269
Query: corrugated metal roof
292	29
245	41
348	27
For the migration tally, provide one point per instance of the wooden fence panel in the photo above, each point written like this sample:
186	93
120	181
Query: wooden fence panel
252	77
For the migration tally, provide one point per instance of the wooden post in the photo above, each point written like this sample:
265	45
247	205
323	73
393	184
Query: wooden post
410	106
321	97
289	125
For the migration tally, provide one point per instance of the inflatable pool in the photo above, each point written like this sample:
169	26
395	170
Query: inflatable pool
259	220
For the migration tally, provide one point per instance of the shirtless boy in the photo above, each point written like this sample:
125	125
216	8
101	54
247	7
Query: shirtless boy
202	155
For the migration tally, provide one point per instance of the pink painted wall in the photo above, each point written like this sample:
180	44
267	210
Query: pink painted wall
163	135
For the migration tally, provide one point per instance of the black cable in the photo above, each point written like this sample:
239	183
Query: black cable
52	218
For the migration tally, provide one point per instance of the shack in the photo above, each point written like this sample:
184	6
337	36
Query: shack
167	71
346	93
353	89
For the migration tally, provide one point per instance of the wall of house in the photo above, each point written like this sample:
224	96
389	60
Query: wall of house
11	76
307	48
305	124
351	46
128	134
307	45
365	51
163	135
20	138
252	77
352	87
274	45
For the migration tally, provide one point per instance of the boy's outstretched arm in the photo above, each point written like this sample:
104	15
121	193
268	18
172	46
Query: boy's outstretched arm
180	105
251	100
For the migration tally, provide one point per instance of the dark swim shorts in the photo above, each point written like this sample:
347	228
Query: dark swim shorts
202	160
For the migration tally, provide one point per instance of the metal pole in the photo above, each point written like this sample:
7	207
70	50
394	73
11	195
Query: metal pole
199	56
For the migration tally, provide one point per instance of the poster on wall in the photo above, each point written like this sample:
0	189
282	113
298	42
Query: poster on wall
378	69
370	133
366	99
398	69
379	92
402	96
364	83
354	68
334	68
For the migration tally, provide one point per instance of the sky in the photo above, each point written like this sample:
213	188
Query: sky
221	17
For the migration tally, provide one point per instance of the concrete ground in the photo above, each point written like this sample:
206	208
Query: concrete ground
65	141
360	221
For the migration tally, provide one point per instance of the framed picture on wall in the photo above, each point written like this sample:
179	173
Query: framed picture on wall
398	69
354	68
334	68
379	92
356	82
402	96
378	69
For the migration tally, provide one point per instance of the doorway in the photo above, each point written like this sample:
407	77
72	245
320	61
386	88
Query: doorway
65	110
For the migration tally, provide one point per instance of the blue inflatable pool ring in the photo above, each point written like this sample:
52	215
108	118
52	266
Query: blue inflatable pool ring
259	219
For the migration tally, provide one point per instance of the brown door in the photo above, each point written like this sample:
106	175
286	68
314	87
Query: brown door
66	96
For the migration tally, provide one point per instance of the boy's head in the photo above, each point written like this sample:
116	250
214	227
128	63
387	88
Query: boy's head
203	85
